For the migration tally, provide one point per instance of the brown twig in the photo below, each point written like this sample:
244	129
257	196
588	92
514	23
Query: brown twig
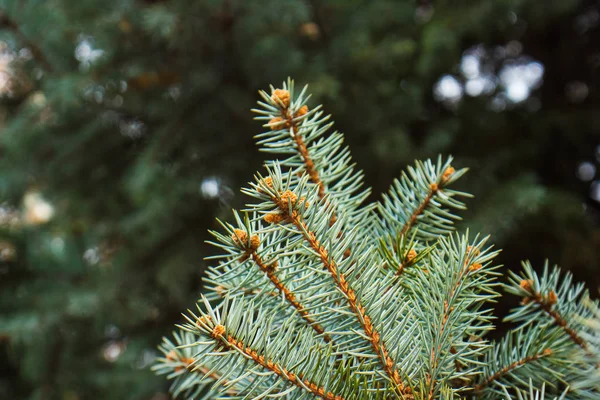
249	248
434	188
478	388
466	268
231	342
413	218
303	150
269	270
359	310
188	362
547	304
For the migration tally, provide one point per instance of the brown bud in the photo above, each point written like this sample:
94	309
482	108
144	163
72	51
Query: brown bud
302	111
547	352
411	255
433	187
447	173
273	218
303	200
526	284
268	182
281	97
217	331
172	356
220	289
552	298
288	197
239	237
203	321
474	250
254	242
277	123
475	267
187	361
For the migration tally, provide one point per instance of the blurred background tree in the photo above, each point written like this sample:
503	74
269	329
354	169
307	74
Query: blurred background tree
125	124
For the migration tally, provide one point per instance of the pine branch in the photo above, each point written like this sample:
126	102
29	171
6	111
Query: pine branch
290	119
551	295
450	293
189	377
297	131
421	200
269	270
247	245
517	364
285	202
400	253
547	303
245	334
403	315
527	353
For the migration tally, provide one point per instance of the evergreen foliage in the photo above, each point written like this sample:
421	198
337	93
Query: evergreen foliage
315	294
124	127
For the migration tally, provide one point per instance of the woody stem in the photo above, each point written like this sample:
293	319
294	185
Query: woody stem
289	296
389	366
286	375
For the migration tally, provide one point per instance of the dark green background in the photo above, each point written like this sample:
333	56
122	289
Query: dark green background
119	110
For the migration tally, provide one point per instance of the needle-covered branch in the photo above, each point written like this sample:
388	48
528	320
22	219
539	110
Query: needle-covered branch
317	296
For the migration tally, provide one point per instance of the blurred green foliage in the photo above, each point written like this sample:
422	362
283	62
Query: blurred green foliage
125	129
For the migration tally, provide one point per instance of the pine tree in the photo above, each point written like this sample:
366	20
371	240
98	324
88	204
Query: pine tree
316	294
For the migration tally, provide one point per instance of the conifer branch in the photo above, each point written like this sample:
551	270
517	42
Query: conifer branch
269	270
434	188
290	377
282	98
436	351
400	331
299	133
496	376
188	364
226	338
421	201
546	303
249	244
376	341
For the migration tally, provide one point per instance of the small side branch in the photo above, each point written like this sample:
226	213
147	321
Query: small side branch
436	350
240	239
269	270
494	377
287	118
188	363
547	303
229	341
419	210
434	188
